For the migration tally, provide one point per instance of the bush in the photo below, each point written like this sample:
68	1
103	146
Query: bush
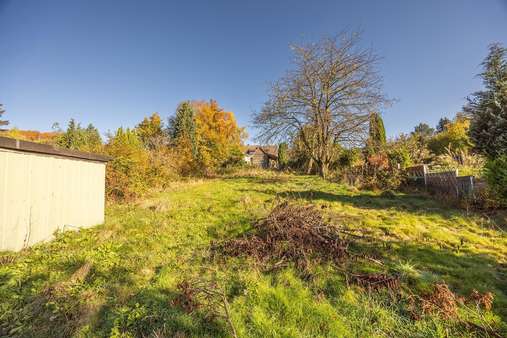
137	167
283	156
126	176
495	173
349	158
382	178
399	155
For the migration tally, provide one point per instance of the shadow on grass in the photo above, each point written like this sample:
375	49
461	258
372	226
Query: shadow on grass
258	179
150	312
62	310
463	271
408	203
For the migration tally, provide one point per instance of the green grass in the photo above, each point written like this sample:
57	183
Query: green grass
143	251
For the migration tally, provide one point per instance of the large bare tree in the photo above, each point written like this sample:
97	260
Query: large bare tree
331	90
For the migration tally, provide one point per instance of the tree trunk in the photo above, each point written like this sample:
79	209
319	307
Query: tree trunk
323	170
310	166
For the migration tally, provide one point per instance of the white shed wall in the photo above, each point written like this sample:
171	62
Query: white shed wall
40	194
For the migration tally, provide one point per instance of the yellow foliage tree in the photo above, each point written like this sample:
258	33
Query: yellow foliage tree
151	131
218	136
454	137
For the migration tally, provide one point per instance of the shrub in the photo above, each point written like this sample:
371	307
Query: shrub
399	155
349	157
283	156
382	178
126	176
496	175
454	137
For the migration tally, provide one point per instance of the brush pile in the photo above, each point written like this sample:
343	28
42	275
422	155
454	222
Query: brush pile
290	233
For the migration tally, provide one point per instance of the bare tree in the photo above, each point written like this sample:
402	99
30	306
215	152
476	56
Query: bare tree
331	91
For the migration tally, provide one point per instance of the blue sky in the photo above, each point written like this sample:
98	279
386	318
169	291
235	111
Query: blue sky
113	62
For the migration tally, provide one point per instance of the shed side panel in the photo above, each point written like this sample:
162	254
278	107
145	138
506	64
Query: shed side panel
40	194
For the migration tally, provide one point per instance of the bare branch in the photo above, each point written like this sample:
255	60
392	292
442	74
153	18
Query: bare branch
332	89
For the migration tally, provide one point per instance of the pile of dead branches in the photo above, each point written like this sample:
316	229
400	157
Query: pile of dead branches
292	233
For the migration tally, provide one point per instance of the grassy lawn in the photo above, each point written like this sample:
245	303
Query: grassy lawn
121	279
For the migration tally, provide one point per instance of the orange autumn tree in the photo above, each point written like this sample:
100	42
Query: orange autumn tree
218	137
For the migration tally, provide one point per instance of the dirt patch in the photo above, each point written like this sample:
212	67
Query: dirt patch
293	233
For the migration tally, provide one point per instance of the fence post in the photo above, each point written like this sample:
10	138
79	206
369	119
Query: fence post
456	187
425	173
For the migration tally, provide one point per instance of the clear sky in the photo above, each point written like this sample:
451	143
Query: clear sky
113	62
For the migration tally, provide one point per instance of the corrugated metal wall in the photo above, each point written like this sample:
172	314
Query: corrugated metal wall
40	194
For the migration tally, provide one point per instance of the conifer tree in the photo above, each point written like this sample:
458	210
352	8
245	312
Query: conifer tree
78	138
377	133
442	123
182	125
488	108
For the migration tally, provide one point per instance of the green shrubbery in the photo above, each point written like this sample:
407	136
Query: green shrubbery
128	170
496	175
77	138
283	156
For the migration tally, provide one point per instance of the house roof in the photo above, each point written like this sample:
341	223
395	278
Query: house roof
270	150
38	148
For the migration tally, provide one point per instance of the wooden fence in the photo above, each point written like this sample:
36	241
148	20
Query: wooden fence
443	182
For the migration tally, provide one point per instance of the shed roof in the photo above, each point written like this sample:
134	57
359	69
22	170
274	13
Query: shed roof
38	148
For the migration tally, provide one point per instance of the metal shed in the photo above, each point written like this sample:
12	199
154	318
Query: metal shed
44	189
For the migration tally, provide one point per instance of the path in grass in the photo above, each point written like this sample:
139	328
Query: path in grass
143	251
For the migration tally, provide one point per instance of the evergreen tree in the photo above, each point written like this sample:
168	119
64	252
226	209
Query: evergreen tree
78	138
488	108
2	111
423	131
182	125
444	121
377	134
70	138
283	155
93	141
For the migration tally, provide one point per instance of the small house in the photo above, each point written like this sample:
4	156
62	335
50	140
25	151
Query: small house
261	156
44	189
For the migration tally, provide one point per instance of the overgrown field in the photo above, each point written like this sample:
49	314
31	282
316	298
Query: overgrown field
156	269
